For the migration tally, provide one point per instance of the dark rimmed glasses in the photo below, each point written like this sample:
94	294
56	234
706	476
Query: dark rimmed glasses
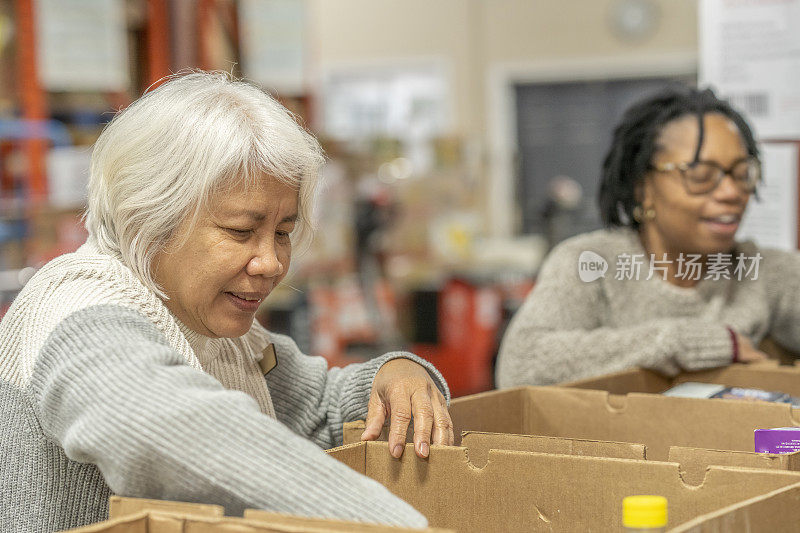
702	177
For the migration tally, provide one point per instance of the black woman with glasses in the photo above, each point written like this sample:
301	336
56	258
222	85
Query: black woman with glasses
666	286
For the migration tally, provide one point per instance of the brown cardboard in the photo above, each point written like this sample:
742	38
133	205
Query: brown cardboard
119	506
526	491
774	512
137	515
768	375
479	443
692	461
317	525
656	422
701	456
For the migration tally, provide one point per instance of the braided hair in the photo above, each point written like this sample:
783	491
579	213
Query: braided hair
634	144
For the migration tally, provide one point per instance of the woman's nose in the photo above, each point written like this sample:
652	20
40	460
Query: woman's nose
265	263
728	190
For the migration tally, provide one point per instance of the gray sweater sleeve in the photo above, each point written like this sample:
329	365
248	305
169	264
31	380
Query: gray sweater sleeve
781	271
315	401
111	392
559	334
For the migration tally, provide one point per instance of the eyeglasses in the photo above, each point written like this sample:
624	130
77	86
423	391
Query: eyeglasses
702	177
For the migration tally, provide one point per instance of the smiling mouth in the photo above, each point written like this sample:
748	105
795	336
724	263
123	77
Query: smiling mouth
724	219
246	302
247	297
724	226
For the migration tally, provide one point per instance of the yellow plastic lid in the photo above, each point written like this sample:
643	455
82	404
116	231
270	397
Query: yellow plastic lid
644	511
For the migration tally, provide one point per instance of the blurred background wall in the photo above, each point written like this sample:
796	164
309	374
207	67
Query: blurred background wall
464	137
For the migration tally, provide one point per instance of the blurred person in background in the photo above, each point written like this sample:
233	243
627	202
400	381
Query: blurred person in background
667	286
134	366
564	199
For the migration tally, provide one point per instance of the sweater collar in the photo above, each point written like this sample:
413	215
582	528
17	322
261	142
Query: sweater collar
209	348
199	343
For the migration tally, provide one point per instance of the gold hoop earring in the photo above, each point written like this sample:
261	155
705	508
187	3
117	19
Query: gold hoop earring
640	214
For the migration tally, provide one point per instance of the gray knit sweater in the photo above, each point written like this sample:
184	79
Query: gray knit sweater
569	329
102	393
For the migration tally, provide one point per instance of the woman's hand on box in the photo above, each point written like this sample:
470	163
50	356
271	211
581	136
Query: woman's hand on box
403	390
747	352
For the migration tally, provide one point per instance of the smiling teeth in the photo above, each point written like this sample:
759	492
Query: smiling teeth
726	219
248	299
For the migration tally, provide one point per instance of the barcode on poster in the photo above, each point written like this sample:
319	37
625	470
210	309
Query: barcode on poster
754	104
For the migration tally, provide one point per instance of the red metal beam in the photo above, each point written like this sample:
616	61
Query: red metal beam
157	35
206	9
32	96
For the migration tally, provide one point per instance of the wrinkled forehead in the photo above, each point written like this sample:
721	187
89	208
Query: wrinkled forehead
253	183
252	192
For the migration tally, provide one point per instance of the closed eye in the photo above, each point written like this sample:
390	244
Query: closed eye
239	233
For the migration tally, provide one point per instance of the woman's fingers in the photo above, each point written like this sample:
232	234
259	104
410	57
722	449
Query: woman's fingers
442	433
376	417
400	414
402	391
422	410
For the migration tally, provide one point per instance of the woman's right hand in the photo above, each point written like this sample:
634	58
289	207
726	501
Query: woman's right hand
747	352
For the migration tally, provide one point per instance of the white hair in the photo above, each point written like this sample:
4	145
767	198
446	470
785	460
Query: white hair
160	160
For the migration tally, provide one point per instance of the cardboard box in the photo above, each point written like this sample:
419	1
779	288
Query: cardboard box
135	515
774	512
769	376
656	422
524	491
691	460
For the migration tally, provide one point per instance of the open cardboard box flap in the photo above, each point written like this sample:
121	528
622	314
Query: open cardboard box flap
525	491
119	506
767	375
690	459
694	429
775	512
138	515
656	421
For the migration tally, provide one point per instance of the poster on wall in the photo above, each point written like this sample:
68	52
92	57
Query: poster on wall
408	102
273	35
750	54
68	176
82	45
771	220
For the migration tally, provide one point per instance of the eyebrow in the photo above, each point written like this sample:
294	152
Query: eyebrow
258	216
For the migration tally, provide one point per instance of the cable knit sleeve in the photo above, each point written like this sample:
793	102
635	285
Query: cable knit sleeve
561	334
111	391
315	401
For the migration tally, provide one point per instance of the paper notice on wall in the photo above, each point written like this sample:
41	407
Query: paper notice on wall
407	100
273	37
772	221
750	54
68	176
82	45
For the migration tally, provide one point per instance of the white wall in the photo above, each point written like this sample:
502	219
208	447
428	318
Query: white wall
488	43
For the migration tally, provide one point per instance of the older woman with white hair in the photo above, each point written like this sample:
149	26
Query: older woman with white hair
134	366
